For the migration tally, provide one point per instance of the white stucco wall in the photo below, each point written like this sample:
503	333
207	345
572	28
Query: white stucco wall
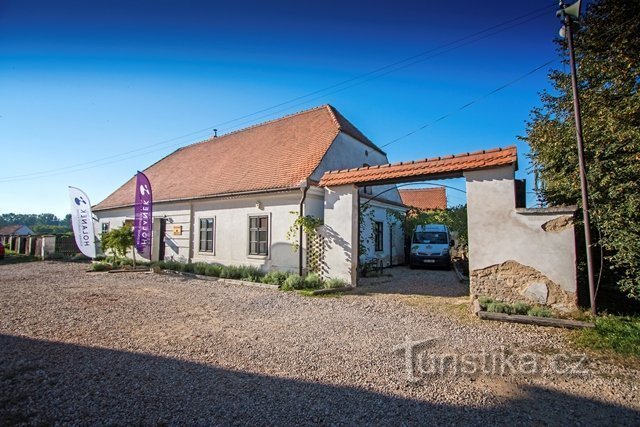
393	237
231	228
347	152
498	233
340	231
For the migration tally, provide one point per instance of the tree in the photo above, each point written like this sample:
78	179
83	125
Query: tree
607	47
119	241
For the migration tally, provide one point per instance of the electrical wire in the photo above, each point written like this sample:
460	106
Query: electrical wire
357	80
470	103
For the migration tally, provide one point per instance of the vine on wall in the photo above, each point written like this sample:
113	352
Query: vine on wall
309	224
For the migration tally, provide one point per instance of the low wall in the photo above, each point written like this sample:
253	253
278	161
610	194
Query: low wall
518	255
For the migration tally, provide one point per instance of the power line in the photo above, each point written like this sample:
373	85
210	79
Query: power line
470	103
357	80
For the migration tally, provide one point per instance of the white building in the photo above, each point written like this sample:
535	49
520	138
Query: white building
232	199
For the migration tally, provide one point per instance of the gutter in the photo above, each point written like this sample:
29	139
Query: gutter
213	196
304	186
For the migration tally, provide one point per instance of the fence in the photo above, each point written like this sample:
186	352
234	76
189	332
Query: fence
43	246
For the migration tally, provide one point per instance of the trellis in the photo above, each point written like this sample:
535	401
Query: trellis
315	254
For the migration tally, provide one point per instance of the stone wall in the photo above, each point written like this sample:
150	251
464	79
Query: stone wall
514	282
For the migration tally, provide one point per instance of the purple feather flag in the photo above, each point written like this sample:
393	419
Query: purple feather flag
143	224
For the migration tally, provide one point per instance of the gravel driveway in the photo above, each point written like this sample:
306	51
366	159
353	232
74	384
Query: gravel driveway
138	348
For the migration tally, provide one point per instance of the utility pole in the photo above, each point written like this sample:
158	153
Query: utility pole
567	14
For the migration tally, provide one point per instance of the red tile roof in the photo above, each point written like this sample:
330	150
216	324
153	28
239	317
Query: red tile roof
425	198
435	168
274	155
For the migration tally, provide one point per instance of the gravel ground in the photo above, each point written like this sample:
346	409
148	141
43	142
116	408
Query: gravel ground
139	348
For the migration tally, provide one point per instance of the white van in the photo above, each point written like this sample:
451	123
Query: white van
430	246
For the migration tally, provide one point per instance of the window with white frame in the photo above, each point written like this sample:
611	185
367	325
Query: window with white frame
105	227
258	235
206	234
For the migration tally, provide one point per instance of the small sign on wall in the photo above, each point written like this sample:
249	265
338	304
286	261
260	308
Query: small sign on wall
177	230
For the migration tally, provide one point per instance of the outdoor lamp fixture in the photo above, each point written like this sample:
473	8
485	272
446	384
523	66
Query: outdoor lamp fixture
567	15
259	205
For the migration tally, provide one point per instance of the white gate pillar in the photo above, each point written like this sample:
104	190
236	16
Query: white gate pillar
340	232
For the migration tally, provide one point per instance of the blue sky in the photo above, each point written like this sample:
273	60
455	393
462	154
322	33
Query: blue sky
92	91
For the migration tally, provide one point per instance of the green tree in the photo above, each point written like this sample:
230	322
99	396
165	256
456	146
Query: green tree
607	44
119	241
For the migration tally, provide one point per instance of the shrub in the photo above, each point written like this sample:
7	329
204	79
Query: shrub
275	277
79	257
293	282
100	257
55	255
230	272
200	268
186	267
334	283
520	308
213	270
252	274
540	312
313	281
101	266
126	261
159	264
484	302
172	265
499	307
241	272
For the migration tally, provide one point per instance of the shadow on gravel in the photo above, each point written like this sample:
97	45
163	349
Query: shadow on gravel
45	382
405	281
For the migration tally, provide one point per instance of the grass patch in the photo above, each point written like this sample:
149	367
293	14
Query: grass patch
309	293
619	334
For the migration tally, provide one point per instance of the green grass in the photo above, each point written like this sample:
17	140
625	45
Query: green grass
309	293
620	334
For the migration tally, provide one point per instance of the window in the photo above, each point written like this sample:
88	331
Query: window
430	237
206	234
258	235
378	231
105	227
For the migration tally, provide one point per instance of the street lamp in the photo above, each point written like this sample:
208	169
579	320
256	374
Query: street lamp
567	14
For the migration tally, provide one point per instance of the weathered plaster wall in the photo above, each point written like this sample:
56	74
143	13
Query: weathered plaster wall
499	233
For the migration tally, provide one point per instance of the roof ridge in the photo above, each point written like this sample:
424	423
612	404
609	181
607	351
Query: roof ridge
257	125
336	115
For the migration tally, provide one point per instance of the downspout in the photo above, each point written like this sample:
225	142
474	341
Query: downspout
390	244
191	232
304	186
